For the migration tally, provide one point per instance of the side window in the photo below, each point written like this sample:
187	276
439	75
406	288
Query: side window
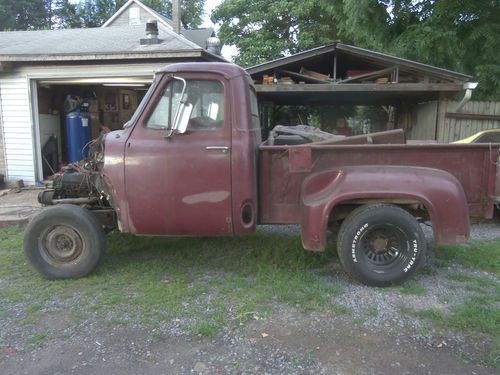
207	98
491	137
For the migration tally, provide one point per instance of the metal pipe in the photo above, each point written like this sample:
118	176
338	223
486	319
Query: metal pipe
469	86
74	200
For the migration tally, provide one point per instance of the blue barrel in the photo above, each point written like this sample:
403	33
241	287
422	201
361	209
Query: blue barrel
78	134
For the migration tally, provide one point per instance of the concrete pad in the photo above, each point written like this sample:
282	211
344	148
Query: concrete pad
17	207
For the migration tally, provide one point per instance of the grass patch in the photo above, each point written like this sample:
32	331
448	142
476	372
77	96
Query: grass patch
38	339
371	311
476	314
491	359
412	288
208	282
479	255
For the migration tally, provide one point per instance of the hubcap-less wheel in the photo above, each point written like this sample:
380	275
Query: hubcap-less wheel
61	245
380	244
384	245
64	242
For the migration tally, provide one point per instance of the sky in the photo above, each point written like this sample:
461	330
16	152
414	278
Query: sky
209	7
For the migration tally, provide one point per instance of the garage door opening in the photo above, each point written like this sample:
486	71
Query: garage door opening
97	104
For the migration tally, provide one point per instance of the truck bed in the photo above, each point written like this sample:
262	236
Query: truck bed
284	168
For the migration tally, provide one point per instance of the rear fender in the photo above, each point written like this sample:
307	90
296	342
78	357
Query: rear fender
439	191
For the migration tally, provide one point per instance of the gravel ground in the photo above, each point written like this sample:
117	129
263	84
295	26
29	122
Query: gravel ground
373	338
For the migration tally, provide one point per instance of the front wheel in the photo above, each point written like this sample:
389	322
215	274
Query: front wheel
380	244
64	241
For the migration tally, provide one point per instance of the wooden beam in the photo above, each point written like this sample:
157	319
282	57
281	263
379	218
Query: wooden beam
301	76
369	75
361	87
472	116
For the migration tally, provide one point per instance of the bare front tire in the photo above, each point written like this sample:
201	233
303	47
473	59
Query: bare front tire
64	241
380	244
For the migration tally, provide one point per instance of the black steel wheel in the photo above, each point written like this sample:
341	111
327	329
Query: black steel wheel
380	244
64	241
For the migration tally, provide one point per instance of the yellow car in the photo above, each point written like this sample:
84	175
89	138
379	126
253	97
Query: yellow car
485	136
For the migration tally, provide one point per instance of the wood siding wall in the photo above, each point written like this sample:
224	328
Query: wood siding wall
124	18
429	120
452	129
423	121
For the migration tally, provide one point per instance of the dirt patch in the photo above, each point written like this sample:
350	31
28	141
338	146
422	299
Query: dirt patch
287	342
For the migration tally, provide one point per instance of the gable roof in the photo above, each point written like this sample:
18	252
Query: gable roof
361	54
165	21
95	43
198	36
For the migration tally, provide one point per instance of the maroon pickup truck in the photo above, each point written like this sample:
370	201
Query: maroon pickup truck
191	163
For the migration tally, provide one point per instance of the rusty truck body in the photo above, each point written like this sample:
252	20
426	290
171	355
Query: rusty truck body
191	162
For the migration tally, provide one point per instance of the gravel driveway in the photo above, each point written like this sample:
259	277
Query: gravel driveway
367	333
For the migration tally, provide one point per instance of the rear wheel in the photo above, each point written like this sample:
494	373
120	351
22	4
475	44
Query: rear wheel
64	241
380	245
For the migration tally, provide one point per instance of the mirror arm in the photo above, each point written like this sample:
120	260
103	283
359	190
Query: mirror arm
168	133
177	113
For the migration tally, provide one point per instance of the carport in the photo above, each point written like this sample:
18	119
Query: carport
338	76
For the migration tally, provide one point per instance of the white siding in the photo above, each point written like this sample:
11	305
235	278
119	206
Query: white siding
21	148
17	128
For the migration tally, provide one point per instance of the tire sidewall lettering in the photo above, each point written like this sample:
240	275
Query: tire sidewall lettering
355	241
414	250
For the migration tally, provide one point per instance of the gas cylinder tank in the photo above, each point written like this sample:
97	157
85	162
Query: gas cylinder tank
78	134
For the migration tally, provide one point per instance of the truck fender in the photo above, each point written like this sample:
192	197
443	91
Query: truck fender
439	191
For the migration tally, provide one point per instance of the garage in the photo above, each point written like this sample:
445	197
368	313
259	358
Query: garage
73	112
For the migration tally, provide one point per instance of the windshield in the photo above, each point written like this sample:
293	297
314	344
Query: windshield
142	104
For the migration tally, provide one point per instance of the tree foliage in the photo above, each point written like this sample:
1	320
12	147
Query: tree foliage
263	29
37	14
462	35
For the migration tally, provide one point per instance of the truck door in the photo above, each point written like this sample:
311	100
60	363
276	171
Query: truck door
181	185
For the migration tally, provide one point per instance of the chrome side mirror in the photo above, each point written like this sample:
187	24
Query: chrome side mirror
183	113
182	117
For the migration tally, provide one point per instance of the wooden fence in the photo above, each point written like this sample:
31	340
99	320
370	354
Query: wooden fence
441	120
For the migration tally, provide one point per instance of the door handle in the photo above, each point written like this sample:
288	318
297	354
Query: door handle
224	149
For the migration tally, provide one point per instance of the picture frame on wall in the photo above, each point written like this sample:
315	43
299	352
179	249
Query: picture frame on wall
126	101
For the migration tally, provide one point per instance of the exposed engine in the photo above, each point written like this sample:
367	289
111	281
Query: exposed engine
79	183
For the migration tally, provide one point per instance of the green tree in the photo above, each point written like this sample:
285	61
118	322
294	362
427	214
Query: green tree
267	29
37	14
23	15
462	35
93	13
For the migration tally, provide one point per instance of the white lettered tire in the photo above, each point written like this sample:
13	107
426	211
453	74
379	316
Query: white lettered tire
380	244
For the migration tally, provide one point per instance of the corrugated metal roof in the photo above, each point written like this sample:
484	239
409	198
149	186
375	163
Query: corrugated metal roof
362	53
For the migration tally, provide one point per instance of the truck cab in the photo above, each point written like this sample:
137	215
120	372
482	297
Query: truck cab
201	181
